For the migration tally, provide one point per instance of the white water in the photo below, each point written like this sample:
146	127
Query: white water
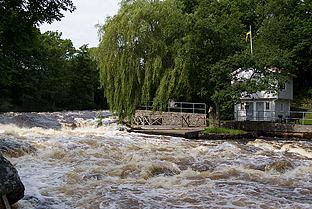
74	164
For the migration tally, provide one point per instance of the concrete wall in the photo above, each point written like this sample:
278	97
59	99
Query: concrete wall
276	129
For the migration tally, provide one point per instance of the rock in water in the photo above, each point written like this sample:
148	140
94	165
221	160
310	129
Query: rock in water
10	182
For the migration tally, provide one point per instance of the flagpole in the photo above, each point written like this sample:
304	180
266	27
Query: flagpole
250	40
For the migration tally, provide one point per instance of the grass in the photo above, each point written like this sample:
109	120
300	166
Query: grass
217	130
307	115
303	99
175	129
307	118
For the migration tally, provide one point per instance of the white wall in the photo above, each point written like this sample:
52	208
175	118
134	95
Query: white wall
287	93
270	112
282	107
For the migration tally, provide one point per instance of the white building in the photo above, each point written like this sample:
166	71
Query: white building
262	106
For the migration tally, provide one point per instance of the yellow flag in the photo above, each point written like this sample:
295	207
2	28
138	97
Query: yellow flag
248	34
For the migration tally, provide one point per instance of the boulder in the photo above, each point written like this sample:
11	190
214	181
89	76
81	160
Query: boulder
10	182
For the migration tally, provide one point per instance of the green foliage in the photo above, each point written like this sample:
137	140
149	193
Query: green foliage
291	21
22	71
135	53
218	130
43	72
18	34
83	80
56	56
189	49
153	50
263	78
189	6
303	98
99	121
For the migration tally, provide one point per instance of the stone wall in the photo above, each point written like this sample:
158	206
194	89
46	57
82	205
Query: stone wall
180	119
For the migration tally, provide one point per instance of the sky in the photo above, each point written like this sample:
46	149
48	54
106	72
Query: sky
79	26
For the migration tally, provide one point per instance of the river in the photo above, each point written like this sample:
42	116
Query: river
66	161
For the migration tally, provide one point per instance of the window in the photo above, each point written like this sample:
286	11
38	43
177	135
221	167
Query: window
267	106
282	107
282	87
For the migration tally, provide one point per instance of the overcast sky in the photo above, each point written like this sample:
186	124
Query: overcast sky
79	26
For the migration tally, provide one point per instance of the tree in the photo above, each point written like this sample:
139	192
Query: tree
83	80
292	22
186	49
286	26
56	56
189	6
17	22
136	53
229	47
19	65
215	32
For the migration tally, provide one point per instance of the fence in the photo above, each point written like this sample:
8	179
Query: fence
187	107
286	117
301	117
244	115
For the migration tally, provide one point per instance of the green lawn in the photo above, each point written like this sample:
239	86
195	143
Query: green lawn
307	115
307	118
222	131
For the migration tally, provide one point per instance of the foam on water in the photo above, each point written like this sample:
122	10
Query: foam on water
85	166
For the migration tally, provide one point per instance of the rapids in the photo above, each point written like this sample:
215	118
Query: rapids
66	161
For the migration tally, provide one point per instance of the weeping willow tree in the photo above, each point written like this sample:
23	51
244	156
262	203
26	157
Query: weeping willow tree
137	54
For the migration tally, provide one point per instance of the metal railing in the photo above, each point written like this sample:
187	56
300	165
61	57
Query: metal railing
287	117
188	107
242	115
300	117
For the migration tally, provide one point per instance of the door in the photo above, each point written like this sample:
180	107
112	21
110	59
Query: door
249	110
260	110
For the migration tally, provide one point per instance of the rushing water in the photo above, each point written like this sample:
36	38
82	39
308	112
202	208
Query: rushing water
66	161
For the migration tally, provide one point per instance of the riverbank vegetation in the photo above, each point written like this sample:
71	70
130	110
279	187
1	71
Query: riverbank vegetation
217	130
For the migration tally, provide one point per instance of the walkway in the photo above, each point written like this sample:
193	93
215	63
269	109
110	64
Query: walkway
189	132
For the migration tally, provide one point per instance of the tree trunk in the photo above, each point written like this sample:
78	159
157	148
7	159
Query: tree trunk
212	118
217	120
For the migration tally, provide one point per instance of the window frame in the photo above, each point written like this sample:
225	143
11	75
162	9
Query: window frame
267	105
